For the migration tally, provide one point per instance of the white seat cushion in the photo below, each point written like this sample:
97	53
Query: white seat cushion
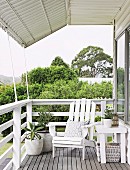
73	129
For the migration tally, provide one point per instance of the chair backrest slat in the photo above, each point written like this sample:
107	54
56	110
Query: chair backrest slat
71	112
87	112
77	111
82	111
93	108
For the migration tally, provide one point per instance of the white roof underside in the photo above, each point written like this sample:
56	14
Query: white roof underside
28	21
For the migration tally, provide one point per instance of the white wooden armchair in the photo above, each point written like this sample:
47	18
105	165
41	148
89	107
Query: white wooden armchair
76	130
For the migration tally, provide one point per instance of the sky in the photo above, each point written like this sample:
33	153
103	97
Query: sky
66	43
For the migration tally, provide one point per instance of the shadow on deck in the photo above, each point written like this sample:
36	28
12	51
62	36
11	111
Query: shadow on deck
67	159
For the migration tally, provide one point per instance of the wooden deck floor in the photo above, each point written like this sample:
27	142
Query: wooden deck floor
67	159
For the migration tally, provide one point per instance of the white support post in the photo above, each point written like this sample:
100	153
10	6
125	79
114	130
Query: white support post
29	112
17	138
102	148
123	148
128	147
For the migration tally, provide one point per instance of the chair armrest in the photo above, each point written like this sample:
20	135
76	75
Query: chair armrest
91	125
57	124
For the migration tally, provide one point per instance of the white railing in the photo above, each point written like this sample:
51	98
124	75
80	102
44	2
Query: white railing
16	107
43	102
15	149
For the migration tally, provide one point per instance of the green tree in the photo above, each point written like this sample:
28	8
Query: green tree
60	89
58	61
92	62
120	75
120	83
6	94
49	75
95	91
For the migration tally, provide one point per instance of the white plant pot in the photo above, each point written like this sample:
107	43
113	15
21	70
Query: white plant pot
107	123
47	141
34	147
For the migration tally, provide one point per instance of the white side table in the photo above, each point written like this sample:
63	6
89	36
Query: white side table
121	130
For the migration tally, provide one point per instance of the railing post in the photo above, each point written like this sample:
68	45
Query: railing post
17	138
29	112
128	147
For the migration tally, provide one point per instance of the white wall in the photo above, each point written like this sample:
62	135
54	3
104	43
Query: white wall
94	80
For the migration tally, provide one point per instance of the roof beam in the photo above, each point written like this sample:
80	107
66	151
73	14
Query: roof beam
47	18
67	2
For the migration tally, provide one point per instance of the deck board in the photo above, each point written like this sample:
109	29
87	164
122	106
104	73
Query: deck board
69	159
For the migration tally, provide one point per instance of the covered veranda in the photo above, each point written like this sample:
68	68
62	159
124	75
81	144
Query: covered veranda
30	21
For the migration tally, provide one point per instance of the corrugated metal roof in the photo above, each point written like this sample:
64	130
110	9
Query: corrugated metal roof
28	21
94	11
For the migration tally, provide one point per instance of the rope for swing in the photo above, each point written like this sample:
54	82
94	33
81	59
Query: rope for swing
15	93
26	73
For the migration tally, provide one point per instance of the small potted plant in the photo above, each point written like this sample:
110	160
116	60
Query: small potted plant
43	120
33	141
107	119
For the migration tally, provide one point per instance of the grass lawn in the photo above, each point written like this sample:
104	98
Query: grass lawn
5	147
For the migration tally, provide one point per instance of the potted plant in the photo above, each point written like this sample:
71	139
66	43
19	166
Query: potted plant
43	119
33	141
107	119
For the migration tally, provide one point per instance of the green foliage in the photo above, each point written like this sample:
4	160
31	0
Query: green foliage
92	61
21	92
35	90
32	132
60	90
3	119
120	88
58	61
50	75
58	82
44	118
6	94
120	75
108	113
98	119
96	90
120	83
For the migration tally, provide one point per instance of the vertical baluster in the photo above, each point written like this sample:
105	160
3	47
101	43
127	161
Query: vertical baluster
17	138
29	112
